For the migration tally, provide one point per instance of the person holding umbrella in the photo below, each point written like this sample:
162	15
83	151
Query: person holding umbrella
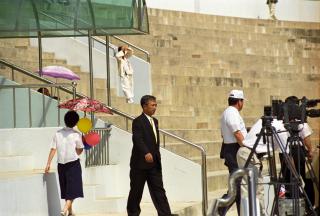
125	71
68	144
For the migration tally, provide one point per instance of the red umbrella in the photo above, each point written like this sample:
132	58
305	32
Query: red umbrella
85	104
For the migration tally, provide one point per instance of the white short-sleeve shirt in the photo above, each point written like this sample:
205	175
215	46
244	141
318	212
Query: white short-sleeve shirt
231	121
251	137
283	135
66	140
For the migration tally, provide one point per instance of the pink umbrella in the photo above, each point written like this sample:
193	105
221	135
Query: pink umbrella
59	72
86	105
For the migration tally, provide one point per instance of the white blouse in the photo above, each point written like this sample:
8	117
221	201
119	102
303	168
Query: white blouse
66	140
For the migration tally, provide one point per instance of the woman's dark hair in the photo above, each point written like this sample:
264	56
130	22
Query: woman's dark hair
145	99
233	101
44	91
71	118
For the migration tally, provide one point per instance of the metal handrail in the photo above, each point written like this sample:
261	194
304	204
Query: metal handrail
203	168
35	76
128	117
134	46
99	40
99	154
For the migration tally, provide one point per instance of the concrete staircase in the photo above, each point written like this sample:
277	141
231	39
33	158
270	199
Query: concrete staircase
197	59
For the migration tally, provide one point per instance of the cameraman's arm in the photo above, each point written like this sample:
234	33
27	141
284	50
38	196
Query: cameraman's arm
307	143
239	137
305	134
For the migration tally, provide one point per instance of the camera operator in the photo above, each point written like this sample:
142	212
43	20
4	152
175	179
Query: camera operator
259	154
233	132
298	153
262	150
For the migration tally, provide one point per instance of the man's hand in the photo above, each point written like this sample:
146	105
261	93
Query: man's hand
46	170
149	158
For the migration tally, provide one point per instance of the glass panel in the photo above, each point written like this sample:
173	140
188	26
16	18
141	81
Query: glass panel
24	18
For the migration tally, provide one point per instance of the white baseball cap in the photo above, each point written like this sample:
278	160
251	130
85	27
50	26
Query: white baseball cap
237	94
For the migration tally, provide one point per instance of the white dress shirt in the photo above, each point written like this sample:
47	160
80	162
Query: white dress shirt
152	125
231	121
66	140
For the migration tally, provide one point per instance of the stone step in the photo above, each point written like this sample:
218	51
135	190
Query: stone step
195	135
193	19
217	180
15	54
165	121
135	109
219	58
185	43
101	205
214	162
182	149
148	209
16	42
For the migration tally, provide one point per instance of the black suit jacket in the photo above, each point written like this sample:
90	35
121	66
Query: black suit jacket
144	142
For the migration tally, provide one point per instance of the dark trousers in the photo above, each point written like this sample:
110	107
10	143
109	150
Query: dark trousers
229	153
153	177
298	156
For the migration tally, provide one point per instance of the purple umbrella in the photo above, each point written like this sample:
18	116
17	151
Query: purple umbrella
59	72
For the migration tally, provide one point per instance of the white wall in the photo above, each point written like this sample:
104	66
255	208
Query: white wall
181	177
293	10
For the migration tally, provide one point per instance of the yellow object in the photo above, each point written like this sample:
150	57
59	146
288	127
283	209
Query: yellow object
84	125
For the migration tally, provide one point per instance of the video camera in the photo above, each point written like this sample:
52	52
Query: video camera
295	110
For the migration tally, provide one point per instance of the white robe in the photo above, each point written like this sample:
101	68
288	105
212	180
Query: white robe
126	75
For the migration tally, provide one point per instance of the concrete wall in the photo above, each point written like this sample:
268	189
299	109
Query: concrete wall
30	195
44	110
181	176
292	10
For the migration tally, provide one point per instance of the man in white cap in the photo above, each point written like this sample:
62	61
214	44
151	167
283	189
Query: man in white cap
233	131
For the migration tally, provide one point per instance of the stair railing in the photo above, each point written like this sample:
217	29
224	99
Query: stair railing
128	118
29	87
99	40
165	135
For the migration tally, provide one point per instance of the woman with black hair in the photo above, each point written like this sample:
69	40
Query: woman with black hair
68	144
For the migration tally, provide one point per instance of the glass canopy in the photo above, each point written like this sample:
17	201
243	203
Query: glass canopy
62	18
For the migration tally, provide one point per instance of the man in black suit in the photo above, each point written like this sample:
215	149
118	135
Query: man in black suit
145	161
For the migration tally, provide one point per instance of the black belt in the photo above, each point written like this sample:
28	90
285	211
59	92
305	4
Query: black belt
260	155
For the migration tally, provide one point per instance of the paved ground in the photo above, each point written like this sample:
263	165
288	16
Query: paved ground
147	209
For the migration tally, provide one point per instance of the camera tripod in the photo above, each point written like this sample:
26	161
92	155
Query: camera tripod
269	133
